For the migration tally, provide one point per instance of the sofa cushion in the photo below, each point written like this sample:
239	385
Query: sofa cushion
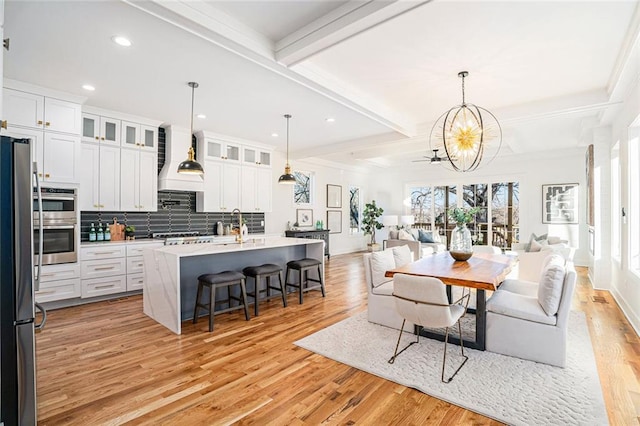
385	289
539	240
519	306
404	235
525	288
425	236
381	262
393	234
550	288
402	255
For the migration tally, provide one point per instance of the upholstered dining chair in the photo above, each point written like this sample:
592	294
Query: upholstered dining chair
423	301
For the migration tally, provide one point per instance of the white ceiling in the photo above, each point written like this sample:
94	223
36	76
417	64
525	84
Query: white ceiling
385	70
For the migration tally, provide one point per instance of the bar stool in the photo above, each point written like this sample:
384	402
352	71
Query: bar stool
219	280
303	266
265	271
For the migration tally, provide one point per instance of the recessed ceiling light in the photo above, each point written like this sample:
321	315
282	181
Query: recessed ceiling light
330	120
201	116
275	135
122	41
88	87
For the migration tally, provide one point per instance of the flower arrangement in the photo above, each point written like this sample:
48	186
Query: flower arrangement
462	215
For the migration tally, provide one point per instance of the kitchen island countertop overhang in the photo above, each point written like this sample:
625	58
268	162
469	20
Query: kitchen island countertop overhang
171	272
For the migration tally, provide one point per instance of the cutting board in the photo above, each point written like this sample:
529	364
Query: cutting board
116	230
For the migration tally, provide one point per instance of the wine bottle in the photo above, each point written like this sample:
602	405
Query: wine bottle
92	233
100	234
107	233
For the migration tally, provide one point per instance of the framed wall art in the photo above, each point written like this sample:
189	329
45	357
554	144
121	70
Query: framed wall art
560	203
334	196
334	221
304	217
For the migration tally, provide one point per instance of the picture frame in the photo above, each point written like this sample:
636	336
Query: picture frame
334	221
560	203
304	217
334	196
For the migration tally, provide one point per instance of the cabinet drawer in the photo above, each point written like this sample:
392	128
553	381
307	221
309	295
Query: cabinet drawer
138	249
103	268
104	252
58	290
135	282
102	286
63	271
135	265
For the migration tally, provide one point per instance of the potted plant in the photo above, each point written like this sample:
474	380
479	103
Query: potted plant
460	248
129	232
370	223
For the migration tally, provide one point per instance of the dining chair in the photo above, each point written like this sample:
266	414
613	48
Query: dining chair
423	301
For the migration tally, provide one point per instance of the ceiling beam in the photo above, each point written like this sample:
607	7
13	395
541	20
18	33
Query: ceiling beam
337	26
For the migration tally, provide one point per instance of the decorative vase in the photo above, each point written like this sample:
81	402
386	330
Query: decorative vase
460	248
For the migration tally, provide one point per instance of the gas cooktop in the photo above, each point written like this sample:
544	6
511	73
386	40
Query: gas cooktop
187	237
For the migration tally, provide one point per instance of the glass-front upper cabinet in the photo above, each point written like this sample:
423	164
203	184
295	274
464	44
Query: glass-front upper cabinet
222	150
100	129
255	156
138	135
149	137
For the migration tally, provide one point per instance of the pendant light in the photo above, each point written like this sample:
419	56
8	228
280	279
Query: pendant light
287	178
190	165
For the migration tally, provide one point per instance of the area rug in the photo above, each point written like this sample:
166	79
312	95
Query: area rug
507	389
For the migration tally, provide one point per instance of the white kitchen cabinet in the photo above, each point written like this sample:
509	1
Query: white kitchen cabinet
104	130
256	189
264	190
99	178
135	282
61	158
103	268
103	286
58	282
136	135
222	187
138	180
252	156
217	149
35	111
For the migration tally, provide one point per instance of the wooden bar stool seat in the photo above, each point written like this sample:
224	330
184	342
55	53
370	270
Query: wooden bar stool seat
219	280
268	270
303	266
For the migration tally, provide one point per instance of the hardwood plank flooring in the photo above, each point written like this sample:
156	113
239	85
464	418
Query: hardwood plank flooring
107	363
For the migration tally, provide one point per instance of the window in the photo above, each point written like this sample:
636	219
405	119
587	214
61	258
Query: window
634	199
354	209
303	188
505	214
477	196
616	206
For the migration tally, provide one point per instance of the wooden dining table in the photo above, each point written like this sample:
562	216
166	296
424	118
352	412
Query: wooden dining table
482	272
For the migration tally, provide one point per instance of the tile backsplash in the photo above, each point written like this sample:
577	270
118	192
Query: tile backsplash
176	213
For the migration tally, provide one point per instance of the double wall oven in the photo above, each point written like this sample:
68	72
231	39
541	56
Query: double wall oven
56	210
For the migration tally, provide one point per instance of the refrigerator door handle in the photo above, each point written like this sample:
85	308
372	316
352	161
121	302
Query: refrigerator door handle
44	316
36	283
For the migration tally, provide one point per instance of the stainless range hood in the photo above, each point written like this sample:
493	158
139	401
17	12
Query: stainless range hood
178	141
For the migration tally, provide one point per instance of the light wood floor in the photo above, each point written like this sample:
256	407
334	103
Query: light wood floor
107	363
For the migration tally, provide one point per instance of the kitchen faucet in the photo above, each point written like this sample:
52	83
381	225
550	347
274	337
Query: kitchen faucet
239	237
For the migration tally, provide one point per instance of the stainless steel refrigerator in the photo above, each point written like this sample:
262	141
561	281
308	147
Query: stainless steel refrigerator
17	283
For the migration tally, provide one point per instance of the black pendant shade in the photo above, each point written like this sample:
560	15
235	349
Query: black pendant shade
287	178
190	165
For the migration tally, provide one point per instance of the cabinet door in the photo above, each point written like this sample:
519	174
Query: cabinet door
214	149
265	159
62	116
61	158
129	179
36	137
90	128
230	186
109	178
264	188
23	109
249	156
211	199
232	152
248	199
149	138
148	192
89	176
109	131
130	135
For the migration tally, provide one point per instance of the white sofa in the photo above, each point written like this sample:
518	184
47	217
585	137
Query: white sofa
419	249
381	307
518	323
529	264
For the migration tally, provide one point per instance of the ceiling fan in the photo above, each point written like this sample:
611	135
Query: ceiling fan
436	159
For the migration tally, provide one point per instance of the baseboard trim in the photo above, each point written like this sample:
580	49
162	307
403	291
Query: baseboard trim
633	319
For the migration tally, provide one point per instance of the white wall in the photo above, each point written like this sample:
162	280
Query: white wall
284	210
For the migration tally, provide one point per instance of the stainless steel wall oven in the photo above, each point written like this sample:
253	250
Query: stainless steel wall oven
57	211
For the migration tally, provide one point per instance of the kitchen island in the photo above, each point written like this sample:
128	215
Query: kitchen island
171	272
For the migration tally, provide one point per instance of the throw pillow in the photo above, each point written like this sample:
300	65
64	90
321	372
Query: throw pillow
539	239
425	236
381	262
404	235
550	288
552	259
393	234
556	240
534	246
402	255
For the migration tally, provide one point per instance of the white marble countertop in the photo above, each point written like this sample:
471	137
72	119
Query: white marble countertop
251	243
127	242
